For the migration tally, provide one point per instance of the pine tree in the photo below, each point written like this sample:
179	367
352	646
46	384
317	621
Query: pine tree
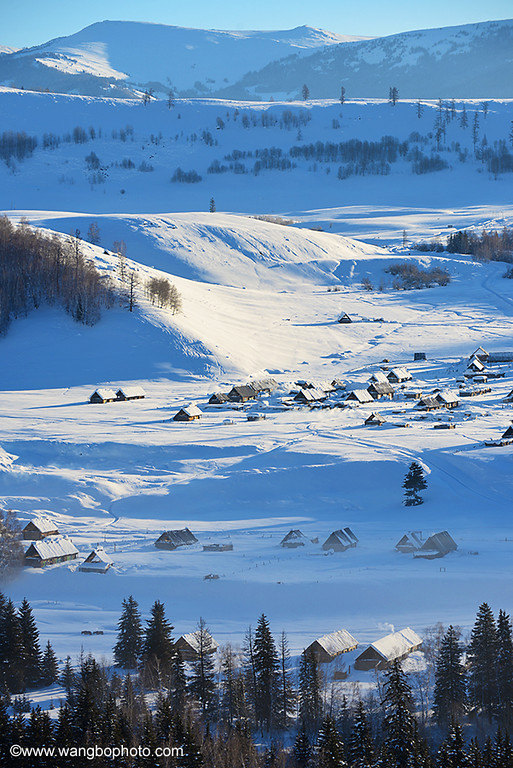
463	117
202	684
414	482
127	650
450	694
342	94
305	92
452	752
398	724
212	205
503	753
330	749
286	694
475	130
31	651
310	691
361	748
178	681
267	675
49	666
11	670
504	670
93	233
67	678
302	749
158	647
393	95
482	654
419	108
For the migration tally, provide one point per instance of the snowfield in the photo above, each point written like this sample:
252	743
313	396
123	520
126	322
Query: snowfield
260	298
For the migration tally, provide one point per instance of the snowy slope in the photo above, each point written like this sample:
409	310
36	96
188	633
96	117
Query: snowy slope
469	61
105	57
6	49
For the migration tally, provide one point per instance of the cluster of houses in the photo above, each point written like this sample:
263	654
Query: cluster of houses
338	540
171	540
378	655
49	547
437	545
106	395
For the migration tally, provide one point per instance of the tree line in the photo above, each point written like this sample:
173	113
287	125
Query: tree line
485	246
252	712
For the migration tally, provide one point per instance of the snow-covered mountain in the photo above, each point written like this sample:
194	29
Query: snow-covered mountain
6	49
469	61
118	57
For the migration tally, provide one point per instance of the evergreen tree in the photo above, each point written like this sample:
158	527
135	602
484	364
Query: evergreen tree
302	750
212	205
310	691
342	94
504	670
11	670
330	749
393	95
31	651
450	694
503	753
202	684
463	118
305	92
67	678
475	757
420	108
482	654
178	681
49	666
286	696
398	724
127	650
361	748
158	647
452	752
267	675
414	482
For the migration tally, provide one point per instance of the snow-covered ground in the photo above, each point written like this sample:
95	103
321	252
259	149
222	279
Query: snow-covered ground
258	300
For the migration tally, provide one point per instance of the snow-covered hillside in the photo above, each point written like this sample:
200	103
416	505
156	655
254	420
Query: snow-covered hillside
119	57
469	61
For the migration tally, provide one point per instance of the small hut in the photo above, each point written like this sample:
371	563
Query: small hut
374	420
306	396
508	434
475	366
242	393
393	647
188	413
410	542
130	393
344	318
380	389
340	540
294	538
328	647
189	646
103	395
96	562
379	377
50	551
39	528
428	403
173	539
219	398
437	545
398	375
418	356
361	396
448	399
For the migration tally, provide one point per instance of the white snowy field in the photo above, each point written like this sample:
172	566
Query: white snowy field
256	303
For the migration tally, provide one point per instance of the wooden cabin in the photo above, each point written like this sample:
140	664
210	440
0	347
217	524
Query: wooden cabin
428	403
448	399
418	356
306	396
173	539
189	646
380	389
130	393
508	434
379	377
398	375
410	542
338	384
393	647
218	547
242	393
374	420
219	398
50	551
344	318
340	540
103	395
264	386
475	366
437	545
98	561
188	413
294	538
361	396
328	647
39	529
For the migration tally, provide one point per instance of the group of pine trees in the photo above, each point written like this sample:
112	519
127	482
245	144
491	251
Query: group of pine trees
238	715
484	246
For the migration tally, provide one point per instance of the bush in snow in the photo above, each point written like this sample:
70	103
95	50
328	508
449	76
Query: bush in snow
187	177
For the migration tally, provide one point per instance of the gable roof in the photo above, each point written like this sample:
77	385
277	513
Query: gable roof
399	373
381	387
411	538
361	395
508	432
294	535
345	537
379	376
98	556
428	402
447	397
475	364
42	524
131	392
105	393
52	547
375	418
337	642
439	542
193	639
310	395
178	537
396	644
243	390
260	385
191	410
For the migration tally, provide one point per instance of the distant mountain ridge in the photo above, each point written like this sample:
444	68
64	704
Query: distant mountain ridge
119	58
469	61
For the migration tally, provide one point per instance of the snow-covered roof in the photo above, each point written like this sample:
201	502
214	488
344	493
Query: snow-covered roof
396	644
98	556
361	395
260	385
447	397
379	376
311	395
400	373
105	394
52	547
337	642
381	387
43	524
131	392
191	410
294	535
476	364
375	418
193	639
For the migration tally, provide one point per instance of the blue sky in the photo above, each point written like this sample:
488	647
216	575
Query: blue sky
29	22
